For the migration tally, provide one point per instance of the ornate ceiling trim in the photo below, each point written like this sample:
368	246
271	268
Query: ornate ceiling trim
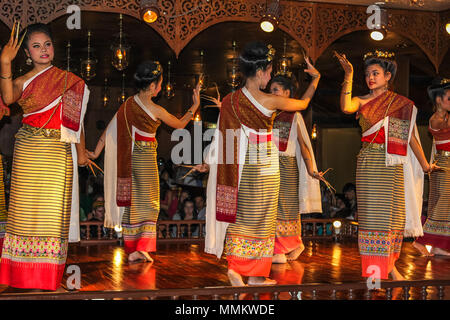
314	25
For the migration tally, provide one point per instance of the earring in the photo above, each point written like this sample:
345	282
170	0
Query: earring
29	61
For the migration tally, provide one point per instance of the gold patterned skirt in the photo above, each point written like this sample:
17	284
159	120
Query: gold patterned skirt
250	241
436	229
139	220
36	240
288	230
381	212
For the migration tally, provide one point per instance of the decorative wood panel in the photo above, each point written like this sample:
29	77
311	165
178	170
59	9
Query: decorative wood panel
314	25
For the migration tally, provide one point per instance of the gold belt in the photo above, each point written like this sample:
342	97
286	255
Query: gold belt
48	133
375	146
443	153
145	143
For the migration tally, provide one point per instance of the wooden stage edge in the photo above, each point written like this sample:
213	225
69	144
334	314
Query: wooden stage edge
326	270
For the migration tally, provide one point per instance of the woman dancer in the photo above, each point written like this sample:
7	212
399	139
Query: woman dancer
299	179
437	226
4	110
44	181
131	175
243	183
390	166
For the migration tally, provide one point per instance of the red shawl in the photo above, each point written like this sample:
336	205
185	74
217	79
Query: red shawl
48	86
399	113
138	118
283	124
236	110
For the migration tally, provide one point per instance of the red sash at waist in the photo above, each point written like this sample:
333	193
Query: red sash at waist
380	139
138	137
254	138
444	146
38	120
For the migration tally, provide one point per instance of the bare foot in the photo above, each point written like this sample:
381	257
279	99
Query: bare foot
235	278
396	276
146	256
440	252
294	254
279	258
422	249
260	281
134	256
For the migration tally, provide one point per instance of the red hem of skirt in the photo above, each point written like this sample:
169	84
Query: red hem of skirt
441	242
250	267
141	244
385	265
26	275
285	245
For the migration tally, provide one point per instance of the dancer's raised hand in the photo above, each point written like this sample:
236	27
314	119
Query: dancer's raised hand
313	72
346	65
10	49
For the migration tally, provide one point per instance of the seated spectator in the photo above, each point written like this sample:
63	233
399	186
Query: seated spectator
200	207
349	191
187	213
97	214
339	210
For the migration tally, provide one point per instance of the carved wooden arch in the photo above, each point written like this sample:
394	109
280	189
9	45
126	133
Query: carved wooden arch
313	25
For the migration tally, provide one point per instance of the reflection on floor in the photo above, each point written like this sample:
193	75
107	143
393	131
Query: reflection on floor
187	266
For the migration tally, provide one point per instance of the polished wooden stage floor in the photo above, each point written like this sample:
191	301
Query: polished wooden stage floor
187	266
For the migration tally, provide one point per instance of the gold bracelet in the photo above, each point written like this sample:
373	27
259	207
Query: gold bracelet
6	77
347	81
348	92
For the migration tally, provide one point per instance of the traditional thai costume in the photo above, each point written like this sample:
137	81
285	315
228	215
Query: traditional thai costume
43	213
299	192
243	185
389	182
3	211
131	175
437	225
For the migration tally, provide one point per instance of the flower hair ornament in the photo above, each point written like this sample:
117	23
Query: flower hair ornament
270	53
158	68
380	54
445	81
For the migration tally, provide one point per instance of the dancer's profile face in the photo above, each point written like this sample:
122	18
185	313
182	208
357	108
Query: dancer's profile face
40	48
277	89
444	101
376	78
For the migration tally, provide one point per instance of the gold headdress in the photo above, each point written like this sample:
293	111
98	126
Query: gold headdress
285	74
158	68
445	81
271	53
379	54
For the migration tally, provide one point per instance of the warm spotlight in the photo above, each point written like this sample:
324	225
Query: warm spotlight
447	27
269	20
378	35
149	11
337	224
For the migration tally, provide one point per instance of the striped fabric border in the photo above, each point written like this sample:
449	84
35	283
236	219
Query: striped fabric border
139	220
35	245
41	187
437	226
381	211
250	241
288	230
